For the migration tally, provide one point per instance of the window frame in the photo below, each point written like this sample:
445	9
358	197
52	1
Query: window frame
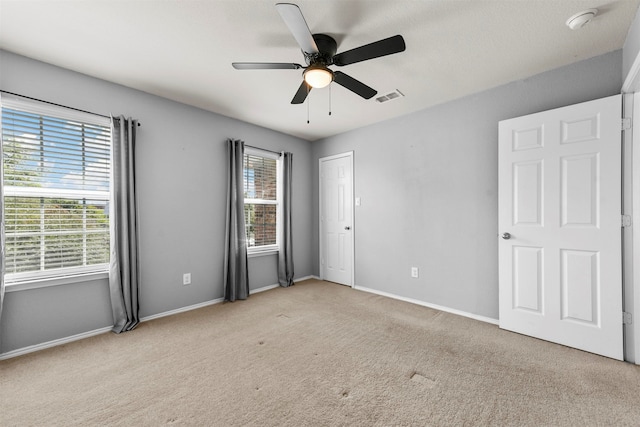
254	251
64	275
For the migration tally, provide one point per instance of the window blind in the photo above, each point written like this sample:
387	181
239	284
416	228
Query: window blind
261	202
56	191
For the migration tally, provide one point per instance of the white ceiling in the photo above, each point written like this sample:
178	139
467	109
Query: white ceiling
183	50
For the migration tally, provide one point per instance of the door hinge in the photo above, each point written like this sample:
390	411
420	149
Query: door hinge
627	318
626	220
626	123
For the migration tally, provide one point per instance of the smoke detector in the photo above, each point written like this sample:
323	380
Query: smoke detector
581	19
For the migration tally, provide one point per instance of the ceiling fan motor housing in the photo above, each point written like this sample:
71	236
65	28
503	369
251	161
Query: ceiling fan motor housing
327	48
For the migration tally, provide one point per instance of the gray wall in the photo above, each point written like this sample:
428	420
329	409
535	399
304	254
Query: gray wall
428	183
181	186
631	46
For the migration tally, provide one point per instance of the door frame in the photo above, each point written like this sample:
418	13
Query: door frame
631	181
632	250
350	155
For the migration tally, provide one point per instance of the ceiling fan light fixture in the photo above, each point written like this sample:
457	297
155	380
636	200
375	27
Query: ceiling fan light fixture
318	77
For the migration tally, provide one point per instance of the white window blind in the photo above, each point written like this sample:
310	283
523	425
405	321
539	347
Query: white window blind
261	200
56	190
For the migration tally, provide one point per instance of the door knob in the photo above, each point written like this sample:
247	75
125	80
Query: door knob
506	236
347	228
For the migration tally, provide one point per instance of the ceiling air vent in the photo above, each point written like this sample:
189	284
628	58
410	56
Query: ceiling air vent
390	96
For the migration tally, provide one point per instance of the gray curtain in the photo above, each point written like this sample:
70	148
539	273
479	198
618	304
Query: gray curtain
236	273
285	254
124	272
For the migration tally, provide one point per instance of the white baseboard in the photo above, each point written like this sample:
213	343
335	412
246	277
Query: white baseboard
182	309
60	341
427	304
54	343
300	279
202	304
269	287
66	340
264	288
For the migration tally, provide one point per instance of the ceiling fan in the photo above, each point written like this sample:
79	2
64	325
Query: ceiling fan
319	52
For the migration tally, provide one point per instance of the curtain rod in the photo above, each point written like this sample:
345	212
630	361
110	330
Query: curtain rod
60	105
264	149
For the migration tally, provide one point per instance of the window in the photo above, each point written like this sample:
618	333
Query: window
261	197
56	190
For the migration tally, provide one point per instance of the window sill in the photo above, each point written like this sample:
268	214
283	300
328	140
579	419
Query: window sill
56	281
262	253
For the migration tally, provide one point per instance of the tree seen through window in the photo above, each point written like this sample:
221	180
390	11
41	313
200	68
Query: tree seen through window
56	192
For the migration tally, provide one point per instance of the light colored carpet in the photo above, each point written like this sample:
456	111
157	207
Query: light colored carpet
317	354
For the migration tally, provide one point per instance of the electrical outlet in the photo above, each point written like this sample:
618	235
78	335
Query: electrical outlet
186	279
414	272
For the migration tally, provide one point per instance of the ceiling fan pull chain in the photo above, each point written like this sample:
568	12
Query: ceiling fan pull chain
308	101
330	99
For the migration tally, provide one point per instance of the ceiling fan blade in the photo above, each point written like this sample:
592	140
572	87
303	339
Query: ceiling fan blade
377	49
265	66
292	16
301	94
353	85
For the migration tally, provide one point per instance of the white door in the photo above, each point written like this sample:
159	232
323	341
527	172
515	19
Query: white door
336	219
559	223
